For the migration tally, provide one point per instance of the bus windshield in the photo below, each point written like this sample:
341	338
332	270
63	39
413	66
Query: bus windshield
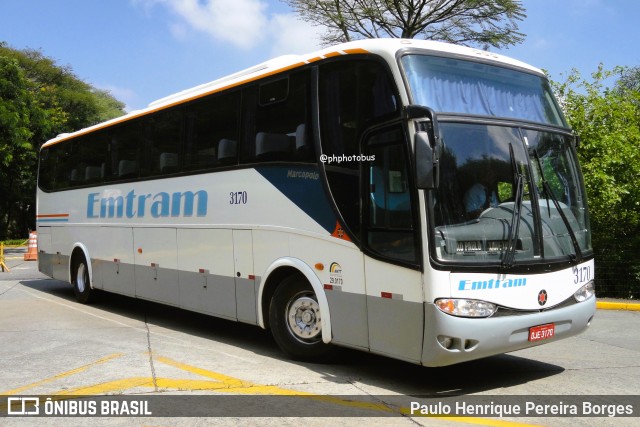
508	195
465	87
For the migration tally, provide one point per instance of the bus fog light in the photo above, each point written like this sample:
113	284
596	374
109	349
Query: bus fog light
585	292
466	307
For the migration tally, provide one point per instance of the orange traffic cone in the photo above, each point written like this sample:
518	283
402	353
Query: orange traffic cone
32	251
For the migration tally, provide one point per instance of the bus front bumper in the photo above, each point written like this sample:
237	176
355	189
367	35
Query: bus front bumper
469	338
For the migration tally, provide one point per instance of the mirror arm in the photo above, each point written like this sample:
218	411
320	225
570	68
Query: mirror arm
420	111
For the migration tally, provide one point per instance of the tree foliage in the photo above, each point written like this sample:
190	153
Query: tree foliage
20	119
629	79
38	100
608	122
72	103
470	22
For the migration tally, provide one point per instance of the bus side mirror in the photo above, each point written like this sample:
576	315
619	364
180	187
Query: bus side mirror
426	163
427	147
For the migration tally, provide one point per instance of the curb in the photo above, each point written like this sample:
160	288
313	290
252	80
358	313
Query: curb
631	306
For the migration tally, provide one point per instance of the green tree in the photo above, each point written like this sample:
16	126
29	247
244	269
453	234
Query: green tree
20	118
38	100
71	104
482	23
629	79
608	122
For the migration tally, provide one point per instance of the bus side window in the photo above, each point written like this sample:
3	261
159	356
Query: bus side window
390	230
54	167
353	95
163	135
75	163
94	153
126	145
212	132
276	120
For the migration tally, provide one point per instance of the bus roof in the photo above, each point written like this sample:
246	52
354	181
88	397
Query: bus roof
383	47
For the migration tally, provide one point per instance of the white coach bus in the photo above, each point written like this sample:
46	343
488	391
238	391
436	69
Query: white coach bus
408	198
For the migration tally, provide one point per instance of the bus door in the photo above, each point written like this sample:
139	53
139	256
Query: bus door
392	274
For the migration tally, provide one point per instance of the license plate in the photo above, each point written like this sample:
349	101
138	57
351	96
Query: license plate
542	332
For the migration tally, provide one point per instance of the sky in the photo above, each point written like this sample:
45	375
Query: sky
143	50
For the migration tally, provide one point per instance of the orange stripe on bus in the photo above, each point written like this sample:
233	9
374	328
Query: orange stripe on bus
354	51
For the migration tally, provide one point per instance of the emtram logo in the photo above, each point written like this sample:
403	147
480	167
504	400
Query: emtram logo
160	205
478	285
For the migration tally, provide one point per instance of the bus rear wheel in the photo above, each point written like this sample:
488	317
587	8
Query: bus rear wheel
296	320
80	280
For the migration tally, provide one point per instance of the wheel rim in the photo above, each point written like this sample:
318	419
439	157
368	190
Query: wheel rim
303	318
80	277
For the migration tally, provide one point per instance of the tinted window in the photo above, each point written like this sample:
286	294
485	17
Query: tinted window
390	220
274	91
74	163
54	173
278	126
201	135
126	151
94	149
468	87
212	136
353	96
163	142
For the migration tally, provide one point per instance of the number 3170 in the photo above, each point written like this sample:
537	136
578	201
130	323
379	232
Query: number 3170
238	198
581	274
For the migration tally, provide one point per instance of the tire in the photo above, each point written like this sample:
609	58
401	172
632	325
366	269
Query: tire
81	281
296	321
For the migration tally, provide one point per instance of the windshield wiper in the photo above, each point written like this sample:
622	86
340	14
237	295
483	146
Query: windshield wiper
514	229
550	195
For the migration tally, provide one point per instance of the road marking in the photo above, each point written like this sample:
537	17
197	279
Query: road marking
251	388
118	385
225	384
225	379
62	375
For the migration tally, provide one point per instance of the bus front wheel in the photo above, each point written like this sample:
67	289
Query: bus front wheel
296	320
81	281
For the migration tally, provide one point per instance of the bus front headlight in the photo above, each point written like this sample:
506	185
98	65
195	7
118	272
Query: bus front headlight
585	292
466	307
